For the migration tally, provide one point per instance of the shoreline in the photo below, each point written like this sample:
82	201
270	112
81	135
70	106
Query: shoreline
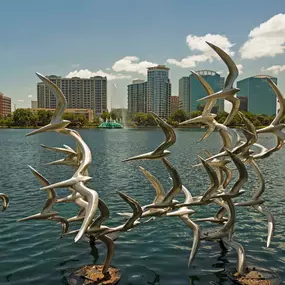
127	127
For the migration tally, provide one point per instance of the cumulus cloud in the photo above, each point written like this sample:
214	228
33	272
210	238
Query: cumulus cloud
196	43
86	73
240	68
20	100
30	96
274	68
268	39
132	64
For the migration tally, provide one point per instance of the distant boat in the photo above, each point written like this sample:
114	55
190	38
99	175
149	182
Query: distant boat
110	125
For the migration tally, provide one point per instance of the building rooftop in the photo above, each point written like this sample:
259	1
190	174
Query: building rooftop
160	66
263	76
206	72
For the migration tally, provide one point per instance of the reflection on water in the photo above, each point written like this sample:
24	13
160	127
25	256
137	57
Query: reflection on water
156	253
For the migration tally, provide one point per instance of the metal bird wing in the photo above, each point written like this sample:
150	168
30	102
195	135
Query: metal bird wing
52	198
137	210
281	100
104	214
159	190
169	134
5	201
214	182
177	184
243	174
209	90
233	70
67	151
60	98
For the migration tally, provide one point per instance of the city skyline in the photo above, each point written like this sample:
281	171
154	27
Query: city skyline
120	43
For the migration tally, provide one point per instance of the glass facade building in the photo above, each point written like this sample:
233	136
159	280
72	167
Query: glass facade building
197	91
137	97
158	90
190	90
260	97
184	93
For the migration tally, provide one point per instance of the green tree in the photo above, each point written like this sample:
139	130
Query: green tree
105	115
140	119
44	117
113	115
195	114
150	120
23	118
179	116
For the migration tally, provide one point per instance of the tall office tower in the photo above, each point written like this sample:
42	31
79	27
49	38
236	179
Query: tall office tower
137	97
5	105
184	93
80	93
256	95
190	90
158	90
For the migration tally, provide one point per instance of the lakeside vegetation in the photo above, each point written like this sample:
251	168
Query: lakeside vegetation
23	118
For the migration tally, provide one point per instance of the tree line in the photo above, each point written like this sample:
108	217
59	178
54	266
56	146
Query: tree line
27	118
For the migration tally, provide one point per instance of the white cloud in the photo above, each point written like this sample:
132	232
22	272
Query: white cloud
268	39
132	64
240	68
30	96
85	73
196	43
20	100
274	68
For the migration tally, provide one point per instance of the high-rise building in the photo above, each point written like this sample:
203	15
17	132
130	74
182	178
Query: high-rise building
5	105
174	104
137	97
257	95
80	93
158	90
34	104
184	93
190	90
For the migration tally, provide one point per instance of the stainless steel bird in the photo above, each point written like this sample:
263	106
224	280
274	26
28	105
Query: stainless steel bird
275	126
161	151
46	211
228	92
5	201
56	123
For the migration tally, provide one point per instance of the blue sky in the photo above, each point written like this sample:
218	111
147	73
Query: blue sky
121	38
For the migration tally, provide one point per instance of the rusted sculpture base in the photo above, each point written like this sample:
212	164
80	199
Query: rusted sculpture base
92	275
254	276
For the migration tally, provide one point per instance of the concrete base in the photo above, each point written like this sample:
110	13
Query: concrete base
254	276
92	275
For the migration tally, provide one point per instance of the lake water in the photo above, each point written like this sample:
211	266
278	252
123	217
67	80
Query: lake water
32	252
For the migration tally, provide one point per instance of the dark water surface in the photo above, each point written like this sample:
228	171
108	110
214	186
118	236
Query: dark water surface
32	252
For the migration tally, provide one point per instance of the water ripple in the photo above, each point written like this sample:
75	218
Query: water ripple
155	253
